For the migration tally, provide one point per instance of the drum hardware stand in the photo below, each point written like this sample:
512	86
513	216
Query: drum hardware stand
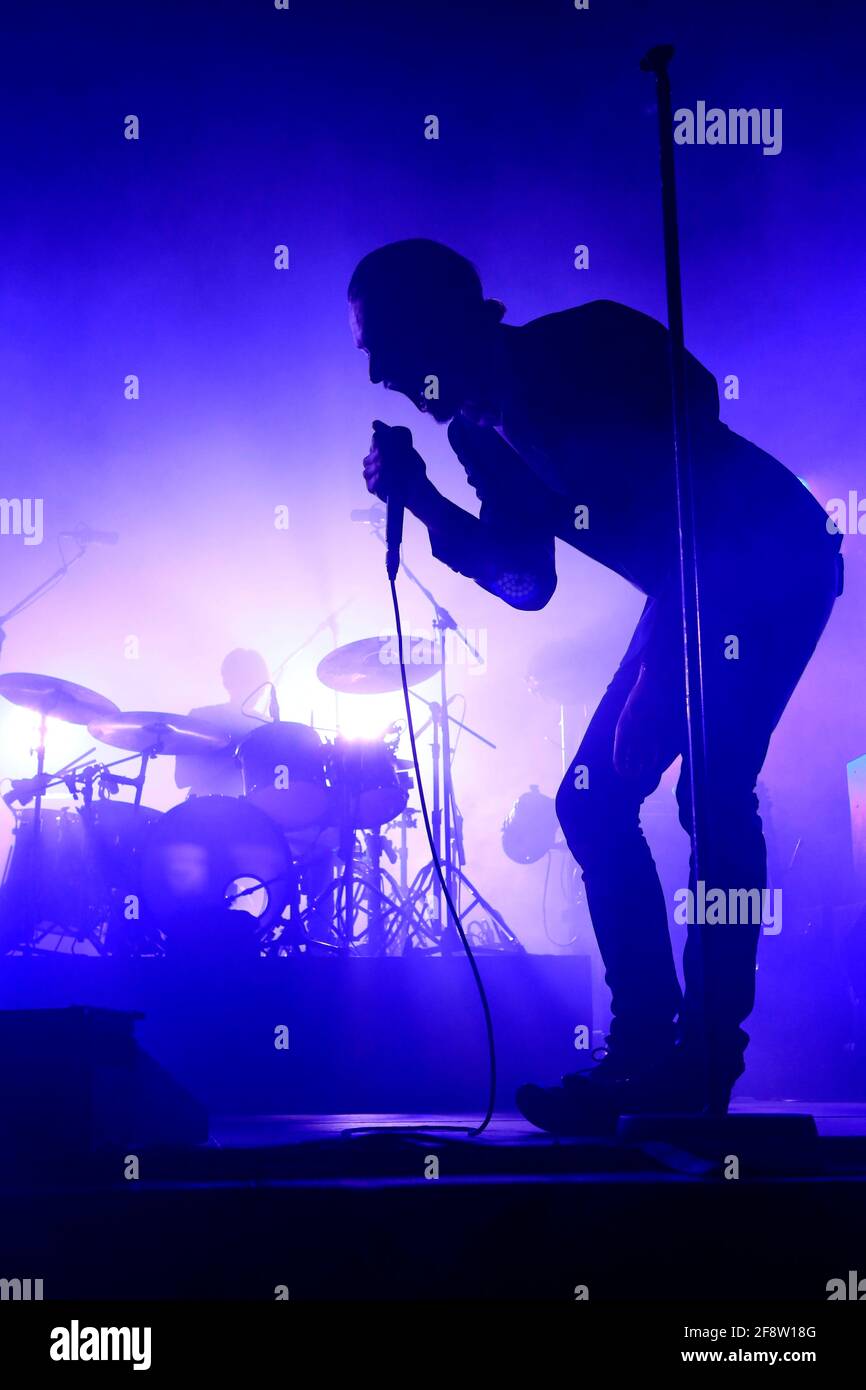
36	841
34	788
79	778
407	821
24	790
370	889
346	879
139	779
445	818
19	607
376	902
373	898
112	781
386	912
28	789
42	588
294	931
70	775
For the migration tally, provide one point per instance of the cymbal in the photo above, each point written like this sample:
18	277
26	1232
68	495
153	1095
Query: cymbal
566	672
75	704
136	731
371	666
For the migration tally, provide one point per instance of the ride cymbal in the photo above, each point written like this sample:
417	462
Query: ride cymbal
371	666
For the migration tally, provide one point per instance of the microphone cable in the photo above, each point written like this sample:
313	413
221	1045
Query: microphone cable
472	1132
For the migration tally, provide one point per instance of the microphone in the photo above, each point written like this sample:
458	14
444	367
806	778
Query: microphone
393	536
86	535
25	788
375	515
395	505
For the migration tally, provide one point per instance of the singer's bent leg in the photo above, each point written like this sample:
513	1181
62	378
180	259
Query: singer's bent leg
599	813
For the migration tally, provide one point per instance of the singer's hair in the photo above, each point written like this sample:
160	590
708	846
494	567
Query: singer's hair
417	270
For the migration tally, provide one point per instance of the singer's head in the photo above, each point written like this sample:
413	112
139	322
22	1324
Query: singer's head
418	310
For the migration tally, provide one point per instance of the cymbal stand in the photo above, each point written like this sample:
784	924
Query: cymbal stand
36	841
360	889
433	930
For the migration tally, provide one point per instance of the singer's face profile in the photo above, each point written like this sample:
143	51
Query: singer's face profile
409	353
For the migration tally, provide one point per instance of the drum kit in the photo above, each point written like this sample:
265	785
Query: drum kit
293	864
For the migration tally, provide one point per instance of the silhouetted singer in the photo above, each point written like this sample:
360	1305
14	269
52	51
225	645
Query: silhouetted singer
563	426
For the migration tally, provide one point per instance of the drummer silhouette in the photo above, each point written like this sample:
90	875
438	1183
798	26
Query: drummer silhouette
246	679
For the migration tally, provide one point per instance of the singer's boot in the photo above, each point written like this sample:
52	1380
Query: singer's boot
589	1103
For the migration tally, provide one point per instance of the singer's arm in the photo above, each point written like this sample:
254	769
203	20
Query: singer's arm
506	561
508	548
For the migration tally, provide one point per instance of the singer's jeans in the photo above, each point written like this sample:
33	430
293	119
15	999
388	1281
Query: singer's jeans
777	621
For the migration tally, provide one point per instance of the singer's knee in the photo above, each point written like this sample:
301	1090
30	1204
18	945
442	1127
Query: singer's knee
599	817
577	810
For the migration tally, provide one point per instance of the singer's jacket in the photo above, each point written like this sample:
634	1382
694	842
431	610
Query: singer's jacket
584	454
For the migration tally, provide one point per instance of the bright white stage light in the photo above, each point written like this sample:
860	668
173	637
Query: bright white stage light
19	736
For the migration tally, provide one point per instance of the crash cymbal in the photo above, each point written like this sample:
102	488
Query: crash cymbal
136	731
50	695
371	665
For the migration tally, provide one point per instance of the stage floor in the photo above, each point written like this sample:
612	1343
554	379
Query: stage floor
837	1119
296	1202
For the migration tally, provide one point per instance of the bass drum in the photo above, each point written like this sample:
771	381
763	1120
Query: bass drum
207	856
283	768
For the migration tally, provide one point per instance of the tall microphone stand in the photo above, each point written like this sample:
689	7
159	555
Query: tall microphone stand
656	61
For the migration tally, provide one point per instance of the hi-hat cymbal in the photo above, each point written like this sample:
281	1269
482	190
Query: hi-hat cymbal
371	666
49	695
137	731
